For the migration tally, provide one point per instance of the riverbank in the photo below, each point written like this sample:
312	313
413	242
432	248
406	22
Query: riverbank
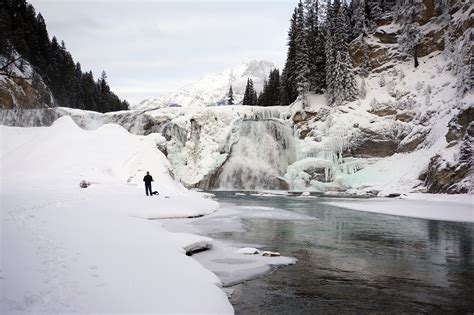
354	261
67	249
441	207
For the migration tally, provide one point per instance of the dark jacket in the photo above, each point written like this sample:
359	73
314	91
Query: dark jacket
148	179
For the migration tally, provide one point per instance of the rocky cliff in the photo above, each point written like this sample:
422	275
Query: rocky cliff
420	116
21	87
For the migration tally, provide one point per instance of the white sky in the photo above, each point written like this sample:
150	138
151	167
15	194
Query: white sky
151	47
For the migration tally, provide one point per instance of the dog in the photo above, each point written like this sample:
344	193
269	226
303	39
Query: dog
155	193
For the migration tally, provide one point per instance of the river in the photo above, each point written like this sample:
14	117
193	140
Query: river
352	261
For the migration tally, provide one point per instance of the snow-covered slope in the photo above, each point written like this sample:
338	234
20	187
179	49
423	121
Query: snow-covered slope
67	249
212	89
386	140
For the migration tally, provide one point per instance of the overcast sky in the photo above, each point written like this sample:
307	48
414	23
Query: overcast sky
150	47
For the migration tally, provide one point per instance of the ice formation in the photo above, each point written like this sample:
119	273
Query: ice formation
259	157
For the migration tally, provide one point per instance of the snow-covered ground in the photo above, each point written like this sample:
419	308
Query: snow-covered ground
92	250
458	208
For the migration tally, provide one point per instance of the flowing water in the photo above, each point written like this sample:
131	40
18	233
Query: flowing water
355	262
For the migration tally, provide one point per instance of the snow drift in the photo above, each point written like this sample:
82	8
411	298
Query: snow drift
89	250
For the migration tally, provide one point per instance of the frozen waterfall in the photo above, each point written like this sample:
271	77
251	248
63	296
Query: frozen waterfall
260	153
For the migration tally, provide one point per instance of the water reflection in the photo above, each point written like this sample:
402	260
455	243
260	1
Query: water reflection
352	260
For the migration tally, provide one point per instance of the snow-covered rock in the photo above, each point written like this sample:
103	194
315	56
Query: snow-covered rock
212	89
247	251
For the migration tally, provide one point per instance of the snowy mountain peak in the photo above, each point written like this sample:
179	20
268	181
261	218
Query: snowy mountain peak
211	89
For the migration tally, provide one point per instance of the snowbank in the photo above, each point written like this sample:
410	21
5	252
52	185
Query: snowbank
68	249
434	207
235	262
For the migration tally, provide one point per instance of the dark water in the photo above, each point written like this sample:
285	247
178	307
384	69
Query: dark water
356	262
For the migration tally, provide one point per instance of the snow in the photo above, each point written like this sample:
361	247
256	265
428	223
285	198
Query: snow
212	89
424	206
67	249
191	243
422	92
248	251
235	262
202	140
201	137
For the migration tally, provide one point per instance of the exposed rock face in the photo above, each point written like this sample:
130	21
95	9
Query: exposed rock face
405	117
384	111
370	143
386	37
445	177
24	94
429	10
456	179
411	144
379	54
301	119
21	87
461	124
381	47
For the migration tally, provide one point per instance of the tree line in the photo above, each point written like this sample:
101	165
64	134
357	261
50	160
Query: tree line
318	59
24	32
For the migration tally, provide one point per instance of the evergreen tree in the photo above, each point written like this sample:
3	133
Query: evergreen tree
250	95
254	98
262	97
289	91
315	46
230	96
271	96
302	55
339	73
411	34
359	20
23	31
330	50
364	67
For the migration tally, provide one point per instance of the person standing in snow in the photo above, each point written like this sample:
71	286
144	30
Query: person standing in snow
148	179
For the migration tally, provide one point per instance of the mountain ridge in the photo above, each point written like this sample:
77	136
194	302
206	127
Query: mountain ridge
211	89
